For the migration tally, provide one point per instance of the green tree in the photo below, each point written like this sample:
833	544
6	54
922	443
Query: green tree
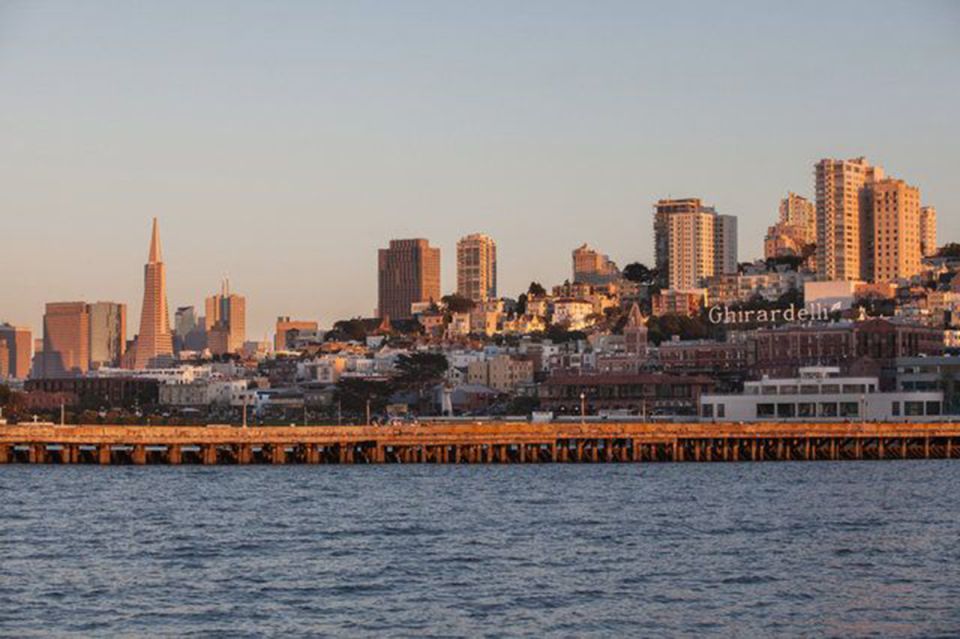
949	250
353	395
351	329
637	272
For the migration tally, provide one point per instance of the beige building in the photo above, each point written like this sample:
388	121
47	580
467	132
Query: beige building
592	267
408	272
845	218
928	231
693	242
501	373
286	327
477	267
691	249
896	230
796	227
18	344
154	345
226	321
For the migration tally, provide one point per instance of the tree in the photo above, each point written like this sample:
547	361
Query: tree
351	329
353	395
522	304
949	250
458	303
637	272
536	290
421	369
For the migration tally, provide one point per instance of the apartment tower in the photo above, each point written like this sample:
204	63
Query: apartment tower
928	231
693	242
896	230
19	346
845	218
408	272
477	267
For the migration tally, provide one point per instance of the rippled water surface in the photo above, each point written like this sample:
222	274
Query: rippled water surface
837	549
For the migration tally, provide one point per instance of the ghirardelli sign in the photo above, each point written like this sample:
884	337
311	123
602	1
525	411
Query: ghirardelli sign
723	314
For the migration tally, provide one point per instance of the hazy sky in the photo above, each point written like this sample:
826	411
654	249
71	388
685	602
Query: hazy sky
282	143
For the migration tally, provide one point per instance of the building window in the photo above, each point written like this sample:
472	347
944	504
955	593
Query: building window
766	410
786	410
707	410
806	409
933	408
896	409
913	409
828	409
849	409
721	410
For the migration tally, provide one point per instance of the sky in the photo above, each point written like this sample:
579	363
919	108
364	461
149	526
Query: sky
282	143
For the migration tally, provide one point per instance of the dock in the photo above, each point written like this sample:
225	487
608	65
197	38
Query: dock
477	443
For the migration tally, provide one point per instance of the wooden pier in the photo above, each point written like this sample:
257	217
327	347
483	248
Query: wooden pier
480	443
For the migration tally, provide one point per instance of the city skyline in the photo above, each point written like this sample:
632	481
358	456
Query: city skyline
566	144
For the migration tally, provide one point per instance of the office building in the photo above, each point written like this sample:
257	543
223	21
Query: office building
408	273
18	344
108	333
226	322
66	340
154	343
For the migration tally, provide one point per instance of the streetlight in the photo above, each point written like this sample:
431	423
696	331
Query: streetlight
583	407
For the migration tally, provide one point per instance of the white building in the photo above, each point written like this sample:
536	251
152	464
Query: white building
820	394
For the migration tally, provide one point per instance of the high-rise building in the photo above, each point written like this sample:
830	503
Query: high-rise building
226	321
845	218
154	344
477	267
592	267
896	230
189	332
692	246
693	242
286	328
108	333
408	273
663	210
928	231
66	340
795	229
725	245
19	345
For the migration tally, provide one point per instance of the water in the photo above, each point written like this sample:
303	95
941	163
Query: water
812	549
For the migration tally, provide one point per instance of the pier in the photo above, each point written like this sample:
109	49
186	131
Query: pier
476	443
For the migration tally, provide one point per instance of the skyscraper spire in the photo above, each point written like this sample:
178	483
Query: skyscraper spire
154	342
156	255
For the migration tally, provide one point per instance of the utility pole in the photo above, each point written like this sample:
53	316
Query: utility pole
368	412
583	407
63	414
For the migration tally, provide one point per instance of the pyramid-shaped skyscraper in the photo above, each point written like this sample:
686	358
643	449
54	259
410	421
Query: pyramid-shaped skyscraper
154	342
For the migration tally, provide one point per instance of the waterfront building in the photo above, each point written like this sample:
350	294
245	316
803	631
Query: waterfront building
820	393
408	272
928	231
108	333
592	267
896	230
477	267
844	218
66	340
287	331
226	321
18	343
154	343
645	394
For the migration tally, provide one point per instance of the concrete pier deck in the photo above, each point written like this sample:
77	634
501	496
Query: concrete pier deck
477	443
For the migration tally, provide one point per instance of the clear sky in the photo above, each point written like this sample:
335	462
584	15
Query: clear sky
282	143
